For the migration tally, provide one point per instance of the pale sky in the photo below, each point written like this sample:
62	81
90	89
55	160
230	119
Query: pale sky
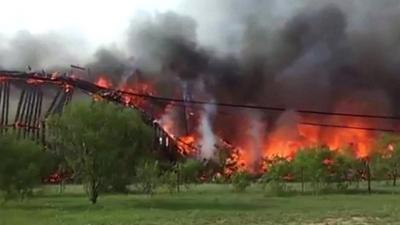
99	22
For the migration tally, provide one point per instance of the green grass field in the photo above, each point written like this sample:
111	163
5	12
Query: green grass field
203	204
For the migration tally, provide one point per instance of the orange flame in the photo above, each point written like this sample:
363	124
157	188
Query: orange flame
103	82
139	89
34	81
186	145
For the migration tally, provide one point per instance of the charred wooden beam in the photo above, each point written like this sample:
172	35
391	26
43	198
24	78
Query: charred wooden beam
38	118
33	125
59	107
2	106
20	103
26	112
21	111
62	98
7	101
53	103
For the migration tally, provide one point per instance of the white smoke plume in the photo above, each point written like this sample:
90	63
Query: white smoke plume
256	134
207	143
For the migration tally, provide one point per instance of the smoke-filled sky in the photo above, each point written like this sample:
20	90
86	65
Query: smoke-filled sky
85	26
294	53
98	22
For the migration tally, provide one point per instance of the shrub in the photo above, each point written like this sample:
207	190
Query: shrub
240	181
170	180
23	165
147	176
189	171
280	170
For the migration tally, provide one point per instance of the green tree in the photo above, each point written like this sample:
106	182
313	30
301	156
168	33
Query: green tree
278	172
23	164
102	143
314	165
386	160
300	167
344	167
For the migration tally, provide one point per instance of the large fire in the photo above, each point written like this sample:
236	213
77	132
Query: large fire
284	139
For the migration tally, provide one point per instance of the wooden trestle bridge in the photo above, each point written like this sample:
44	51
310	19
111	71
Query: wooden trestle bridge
25	104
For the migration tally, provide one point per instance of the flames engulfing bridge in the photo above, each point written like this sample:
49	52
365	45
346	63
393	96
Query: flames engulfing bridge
28	116
27	99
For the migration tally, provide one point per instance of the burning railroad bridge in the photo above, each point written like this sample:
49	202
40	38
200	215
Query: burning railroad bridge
28	98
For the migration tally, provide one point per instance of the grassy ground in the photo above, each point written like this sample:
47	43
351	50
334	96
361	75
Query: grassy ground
204	204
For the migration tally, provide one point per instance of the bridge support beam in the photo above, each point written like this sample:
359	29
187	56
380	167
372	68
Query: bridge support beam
29	110
4	105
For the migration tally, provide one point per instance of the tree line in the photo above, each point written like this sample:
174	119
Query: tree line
107	147
325	169
101	145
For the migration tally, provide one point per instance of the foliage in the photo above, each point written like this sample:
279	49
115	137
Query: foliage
102	143
318	166
240	181
190	171
23	165
314	165
300	165
278	173
344	168
170	180
386	160
183	173
147	176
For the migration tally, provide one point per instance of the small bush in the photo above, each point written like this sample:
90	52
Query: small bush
240	181
278	173
170	180
147	177
189	172
183	173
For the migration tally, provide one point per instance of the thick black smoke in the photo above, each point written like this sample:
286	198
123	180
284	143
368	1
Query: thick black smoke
297	54
167	43
315	54
40	51
109	62
319	55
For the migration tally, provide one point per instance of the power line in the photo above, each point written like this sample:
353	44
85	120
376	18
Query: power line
348	127
259	107
372	129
